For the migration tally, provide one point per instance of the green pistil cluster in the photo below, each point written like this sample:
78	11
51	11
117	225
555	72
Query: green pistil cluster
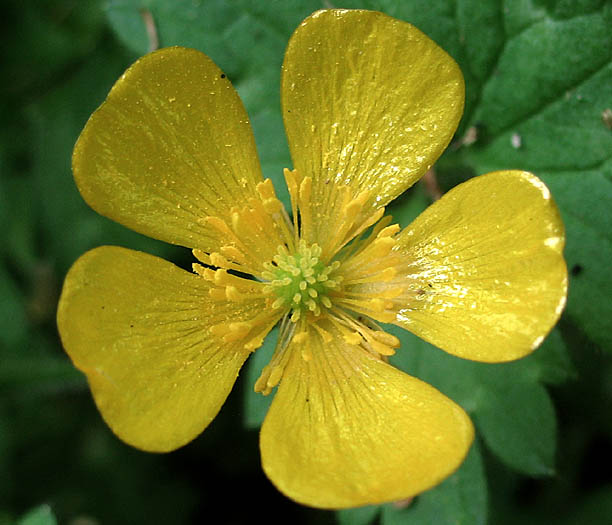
301	281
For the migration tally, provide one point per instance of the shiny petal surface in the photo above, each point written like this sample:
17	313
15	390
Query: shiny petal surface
347	429
368	101
171	145
138	327
487	276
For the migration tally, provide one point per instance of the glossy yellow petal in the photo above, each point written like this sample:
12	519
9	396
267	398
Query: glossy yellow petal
139	328
171	145
484	268
368	101
347	429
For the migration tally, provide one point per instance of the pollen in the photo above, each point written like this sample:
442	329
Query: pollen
301	281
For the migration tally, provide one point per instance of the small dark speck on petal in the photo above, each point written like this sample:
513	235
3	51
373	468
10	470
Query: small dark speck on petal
222	75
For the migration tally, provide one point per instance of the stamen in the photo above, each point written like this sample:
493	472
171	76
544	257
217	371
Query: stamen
272	373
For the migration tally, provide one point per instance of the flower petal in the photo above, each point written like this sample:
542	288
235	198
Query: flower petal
138	327
487	276
368	101
171	145
347	429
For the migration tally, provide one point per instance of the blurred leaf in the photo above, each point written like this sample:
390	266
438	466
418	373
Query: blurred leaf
594	509
358	516
13	322
409	205
39	516
459	500
255	404
20	232
517	421
551	362
585	200
50	35
38	373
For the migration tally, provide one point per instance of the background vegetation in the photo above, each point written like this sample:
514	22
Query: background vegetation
539	97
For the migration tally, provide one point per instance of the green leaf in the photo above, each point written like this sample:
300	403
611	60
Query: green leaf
585	200
38	516
551	362
517	421
409	205
358	516
459	500
592	509
255	404
13	321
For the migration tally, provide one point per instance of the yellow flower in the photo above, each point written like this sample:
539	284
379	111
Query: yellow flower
369	103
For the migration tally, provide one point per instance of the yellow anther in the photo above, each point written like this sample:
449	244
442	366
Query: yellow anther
327	337
386	338
254	343
381	247
216	259
199	269
266	189
392	293
378	305
278	303
389	231
240	329
305	189
272	205
352	338
275	377
297	298
300	337
233	253
388	273
231	332
381	348
232	294
291	180
219	224
221	277
217	293
261	385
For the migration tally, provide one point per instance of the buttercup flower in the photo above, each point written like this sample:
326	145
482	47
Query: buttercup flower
369	103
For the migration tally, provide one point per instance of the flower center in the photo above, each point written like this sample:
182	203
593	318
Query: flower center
301	281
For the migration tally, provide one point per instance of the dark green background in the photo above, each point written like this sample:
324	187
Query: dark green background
539	81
